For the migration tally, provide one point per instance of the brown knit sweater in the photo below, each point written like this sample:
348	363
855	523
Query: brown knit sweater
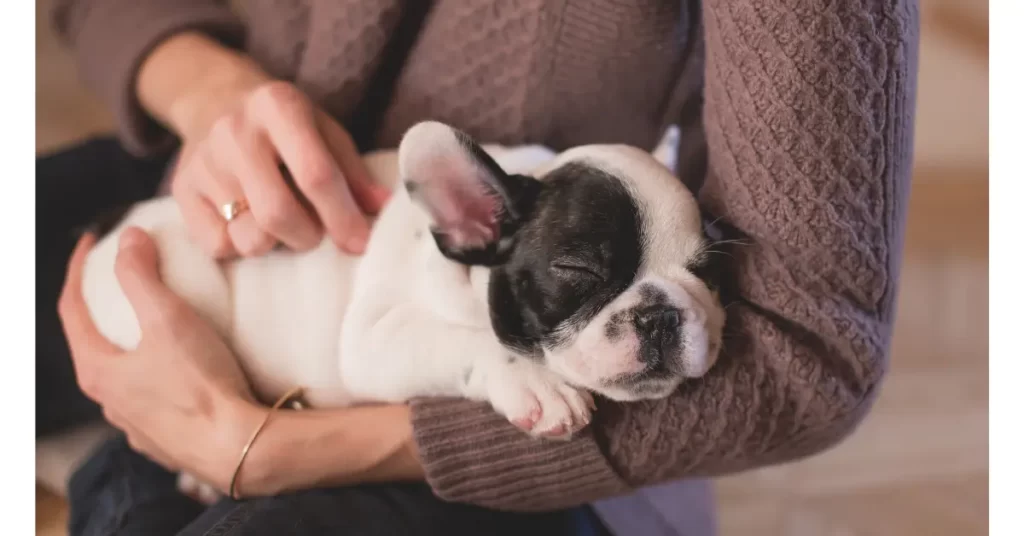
798	120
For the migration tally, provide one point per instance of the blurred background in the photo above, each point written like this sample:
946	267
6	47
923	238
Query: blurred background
919	463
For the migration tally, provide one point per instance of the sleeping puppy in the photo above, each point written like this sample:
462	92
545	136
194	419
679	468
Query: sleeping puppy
511	275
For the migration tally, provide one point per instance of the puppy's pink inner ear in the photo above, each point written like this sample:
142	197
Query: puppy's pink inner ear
470	216
466	214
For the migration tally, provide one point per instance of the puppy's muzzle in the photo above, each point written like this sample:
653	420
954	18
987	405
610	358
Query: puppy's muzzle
657	327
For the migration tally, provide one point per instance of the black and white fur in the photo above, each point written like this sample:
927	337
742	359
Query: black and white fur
511	275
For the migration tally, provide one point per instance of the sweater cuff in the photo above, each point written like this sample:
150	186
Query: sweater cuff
116	36
472	455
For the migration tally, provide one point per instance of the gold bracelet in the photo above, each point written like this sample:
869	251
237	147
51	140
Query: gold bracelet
294	392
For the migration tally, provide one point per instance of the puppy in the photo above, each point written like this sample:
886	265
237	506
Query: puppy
511	275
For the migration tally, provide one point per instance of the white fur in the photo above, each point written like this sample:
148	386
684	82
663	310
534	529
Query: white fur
401	321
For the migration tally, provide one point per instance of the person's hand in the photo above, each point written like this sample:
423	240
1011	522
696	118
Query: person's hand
237	160
241	130
180	397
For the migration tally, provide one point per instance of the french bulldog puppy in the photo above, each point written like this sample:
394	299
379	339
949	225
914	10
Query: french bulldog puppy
511	275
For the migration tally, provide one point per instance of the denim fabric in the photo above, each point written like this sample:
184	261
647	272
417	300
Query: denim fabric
119	492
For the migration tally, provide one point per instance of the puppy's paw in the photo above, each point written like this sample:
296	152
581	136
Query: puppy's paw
201	491
540	403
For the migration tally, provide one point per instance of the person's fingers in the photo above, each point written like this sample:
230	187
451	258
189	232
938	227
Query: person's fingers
88	347
247	236
272	203
199	188
204	225
370	195
292	127
218	185
79	329
138	272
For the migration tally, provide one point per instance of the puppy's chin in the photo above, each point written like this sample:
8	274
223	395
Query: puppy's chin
643	390
619	375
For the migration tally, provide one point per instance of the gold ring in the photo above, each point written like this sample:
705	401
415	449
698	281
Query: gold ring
232	210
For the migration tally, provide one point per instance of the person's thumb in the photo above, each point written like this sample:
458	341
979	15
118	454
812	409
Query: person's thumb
138	271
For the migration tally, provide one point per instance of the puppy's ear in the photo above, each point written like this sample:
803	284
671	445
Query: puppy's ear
667	151
474	206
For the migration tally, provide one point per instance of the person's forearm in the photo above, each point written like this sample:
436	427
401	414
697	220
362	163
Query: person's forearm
317	448
189	80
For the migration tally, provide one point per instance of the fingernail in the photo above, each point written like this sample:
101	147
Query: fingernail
359	233
355	244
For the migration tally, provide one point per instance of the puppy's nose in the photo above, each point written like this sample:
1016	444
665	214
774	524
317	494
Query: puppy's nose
657	320
657	327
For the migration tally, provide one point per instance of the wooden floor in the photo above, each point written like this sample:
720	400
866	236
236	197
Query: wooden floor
919	463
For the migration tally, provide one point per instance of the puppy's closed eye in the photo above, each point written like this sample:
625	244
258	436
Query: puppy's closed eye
576	268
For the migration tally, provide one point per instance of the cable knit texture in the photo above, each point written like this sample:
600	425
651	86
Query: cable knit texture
805	109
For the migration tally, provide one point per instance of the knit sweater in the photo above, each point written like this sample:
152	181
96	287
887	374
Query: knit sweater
797	118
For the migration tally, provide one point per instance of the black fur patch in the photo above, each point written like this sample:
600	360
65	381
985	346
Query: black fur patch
579	248
616	326
651	295
710	266
657	327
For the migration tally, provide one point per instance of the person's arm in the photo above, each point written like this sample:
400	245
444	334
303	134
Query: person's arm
808	117
110	40
181	398
325	448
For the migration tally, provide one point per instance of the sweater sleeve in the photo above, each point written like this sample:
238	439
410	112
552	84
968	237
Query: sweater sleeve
110	39
808	117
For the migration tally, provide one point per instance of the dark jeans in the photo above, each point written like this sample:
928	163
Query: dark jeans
120	492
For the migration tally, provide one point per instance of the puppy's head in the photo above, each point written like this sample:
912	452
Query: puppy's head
592	257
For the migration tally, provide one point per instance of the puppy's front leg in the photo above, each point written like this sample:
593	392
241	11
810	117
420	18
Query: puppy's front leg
403	351
408	352
533	397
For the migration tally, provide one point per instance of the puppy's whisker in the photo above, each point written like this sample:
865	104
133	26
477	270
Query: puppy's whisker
714	221
718	252
737	241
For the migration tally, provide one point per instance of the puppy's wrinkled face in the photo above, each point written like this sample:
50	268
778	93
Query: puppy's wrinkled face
592	258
